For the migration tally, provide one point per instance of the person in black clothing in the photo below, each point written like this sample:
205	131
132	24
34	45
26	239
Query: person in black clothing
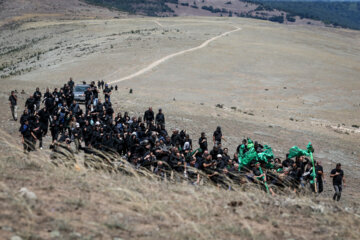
338	178
54	128
160	119
319	176
71	83
215	151
301	162
116	87
217	136
107	92
225	155
13	105
102	84
175	137
47	93
30	104
149	116
203	142
262	177
37	130
44	116
37	98
28	137
88	97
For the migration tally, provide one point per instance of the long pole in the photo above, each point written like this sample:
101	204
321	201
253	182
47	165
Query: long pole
313	170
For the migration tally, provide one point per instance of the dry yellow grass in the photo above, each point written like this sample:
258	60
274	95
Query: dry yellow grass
77	203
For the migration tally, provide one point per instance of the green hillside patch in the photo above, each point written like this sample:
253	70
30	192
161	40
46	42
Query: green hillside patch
342	14
146	7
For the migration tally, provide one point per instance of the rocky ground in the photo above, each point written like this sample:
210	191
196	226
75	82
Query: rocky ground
280	85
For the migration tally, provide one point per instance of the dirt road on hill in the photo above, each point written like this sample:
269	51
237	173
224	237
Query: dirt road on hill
168	57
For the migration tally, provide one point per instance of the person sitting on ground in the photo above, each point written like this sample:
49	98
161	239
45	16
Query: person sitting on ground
261	176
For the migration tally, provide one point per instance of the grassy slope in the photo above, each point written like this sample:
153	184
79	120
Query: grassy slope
343	14
147	7
82	204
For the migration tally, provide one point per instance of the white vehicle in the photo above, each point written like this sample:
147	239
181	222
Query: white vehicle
79	92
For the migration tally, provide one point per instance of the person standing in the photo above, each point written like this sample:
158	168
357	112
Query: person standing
149	116
319	176
71	83
13	105
203	142
28	137
37	98
338	178
160	119
107	92
217	136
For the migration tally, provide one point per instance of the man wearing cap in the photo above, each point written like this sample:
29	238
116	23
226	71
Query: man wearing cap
221	164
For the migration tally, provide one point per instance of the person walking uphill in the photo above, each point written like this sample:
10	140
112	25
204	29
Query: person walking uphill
217	136
338	178
13	105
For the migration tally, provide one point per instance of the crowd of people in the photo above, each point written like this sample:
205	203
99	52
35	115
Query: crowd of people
145	142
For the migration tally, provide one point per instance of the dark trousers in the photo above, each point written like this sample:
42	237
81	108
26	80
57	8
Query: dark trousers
338	190
320	186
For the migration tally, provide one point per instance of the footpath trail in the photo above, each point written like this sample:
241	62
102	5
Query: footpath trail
168	57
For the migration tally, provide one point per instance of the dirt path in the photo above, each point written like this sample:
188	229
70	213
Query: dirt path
168	57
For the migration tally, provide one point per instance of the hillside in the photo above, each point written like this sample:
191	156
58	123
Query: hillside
278	84
21	10
76	203
338	14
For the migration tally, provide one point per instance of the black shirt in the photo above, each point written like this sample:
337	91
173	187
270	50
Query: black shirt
317	169
107	91
337	180
148	115
203	145
37	96
12	100
160	118
218	136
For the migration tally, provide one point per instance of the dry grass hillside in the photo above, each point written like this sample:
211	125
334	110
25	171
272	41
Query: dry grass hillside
278	84
75	203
